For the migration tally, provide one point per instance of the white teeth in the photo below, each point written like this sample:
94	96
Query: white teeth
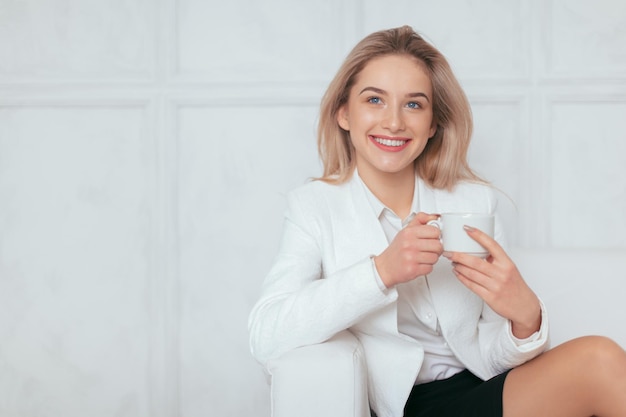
390	142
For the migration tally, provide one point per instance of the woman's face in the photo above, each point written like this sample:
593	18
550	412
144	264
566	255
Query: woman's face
389	115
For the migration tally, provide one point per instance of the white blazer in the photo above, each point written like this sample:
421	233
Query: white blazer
323	282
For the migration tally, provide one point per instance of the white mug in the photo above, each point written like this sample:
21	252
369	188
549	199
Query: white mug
455	239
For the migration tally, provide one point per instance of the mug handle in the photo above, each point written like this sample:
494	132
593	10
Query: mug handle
436	223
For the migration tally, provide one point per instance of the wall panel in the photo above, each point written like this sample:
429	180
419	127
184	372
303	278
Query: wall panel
248	42
76	258
478	47
497	154
233	180
587	159
585	39
76	40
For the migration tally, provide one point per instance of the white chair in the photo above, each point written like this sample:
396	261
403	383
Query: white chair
324	380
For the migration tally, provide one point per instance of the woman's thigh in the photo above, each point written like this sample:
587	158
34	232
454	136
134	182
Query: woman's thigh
567	380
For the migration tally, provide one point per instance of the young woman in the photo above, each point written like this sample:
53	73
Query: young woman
444	334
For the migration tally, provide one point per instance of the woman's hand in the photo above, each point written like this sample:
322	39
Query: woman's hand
412	253
498	282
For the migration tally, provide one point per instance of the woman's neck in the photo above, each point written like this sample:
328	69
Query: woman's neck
394	190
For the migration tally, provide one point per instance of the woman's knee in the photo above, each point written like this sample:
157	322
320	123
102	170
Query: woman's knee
599	354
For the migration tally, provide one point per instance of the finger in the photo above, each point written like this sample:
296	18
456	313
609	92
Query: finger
422	218
426	232
471	261
486	241
476	276
430	245
473	286
427	258
414	233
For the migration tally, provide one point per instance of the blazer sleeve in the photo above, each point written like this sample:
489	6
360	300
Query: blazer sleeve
299	304
500	349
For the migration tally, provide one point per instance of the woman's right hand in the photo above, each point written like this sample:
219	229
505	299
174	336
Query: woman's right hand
412	253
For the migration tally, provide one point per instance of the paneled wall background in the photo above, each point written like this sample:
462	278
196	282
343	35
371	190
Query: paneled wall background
146	147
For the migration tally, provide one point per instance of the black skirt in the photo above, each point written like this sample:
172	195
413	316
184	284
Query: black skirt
462	395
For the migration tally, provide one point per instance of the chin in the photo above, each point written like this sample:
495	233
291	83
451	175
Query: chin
396	169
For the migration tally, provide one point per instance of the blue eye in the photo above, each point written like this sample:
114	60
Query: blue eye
414	105
374	100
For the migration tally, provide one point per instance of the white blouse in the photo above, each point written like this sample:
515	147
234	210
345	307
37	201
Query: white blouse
421	322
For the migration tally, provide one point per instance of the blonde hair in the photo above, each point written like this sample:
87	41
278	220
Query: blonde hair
443	162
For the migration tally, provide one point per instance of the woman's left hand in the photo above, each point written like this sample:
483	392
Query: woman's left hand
498	282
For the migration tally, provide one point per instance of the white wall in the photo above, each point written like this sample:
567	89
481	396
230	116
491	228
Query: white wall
146	147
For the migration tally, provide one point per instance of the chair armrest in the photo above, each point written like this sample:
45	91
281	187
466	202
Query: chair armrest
328	379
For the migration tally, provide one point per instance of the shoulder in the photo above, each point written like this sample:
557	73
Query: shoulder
316	205
467	196
318	191
318	198
469	189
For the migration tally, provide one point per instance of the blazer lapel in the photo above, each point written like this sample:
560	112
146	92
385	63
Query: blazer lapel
358	225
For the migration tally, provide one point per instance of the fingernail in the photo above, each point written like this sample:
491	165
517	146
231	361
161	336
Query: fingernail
468	228
447	254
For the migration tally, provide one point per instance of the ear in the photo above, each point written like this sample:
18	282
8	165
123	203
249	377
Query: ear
433	130
342	118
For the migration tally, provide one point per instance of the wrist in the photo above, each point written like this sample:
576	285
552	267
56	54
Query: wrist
380	270
526	327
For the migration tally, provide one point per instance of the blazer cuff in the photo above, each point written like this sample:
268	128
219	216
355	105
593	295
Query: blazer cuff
379	281
536	339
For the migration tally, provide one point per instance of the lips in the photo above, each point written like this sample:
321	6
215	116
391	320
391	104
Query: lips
390	144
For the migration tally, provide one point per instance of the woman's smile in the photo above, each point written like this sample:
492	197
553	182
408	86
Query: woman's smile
390	144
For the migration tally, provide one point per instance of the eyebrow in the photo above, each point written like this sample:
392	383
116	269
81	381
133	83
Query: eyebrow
382	92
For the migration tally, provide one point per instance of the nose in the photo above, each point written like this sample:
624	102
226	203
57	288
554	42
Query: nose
393	120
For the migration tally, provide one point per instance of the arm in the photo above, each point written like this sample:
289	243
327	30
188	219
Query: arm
501	349
299	304
513	327
499	283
